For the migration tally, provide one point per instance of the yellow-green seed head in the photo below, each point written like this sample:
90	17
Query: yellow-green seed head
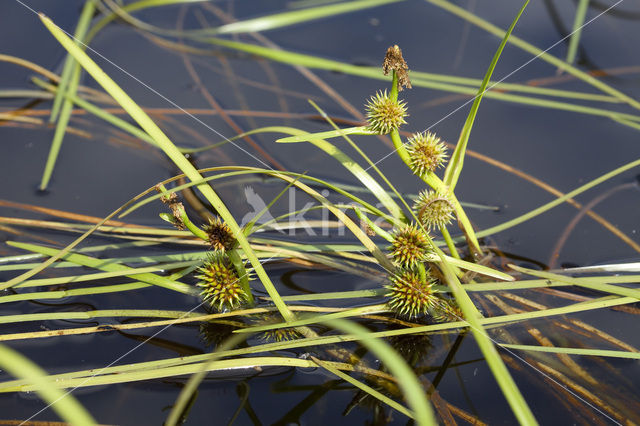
410	294
445	310
220	236
278	334
385	114
410	246
433	209
427	152
220	283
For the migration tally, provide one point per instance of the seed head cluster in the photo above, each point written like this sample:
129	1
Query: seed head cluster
433	209
410	246
220	283
410	294
220	236
385	114
427	152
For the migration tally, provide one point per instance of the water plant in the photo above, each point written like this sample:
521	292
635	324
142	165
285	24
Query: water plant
218	274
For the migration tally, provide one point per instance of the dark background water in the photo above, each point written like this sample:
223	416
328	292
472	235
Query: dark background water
96	175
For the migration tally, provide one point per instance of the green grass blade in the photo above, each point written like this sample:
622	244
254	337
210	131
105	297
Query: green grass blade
102	114
575	351
70	63
61	294
173	153
173	419
454	168
480	269
528	47
103	313
315	319
70	80
374	73
250	365
92	262
548	206
309	137
601	303
500	372
578	22
607	288
363	387
63	403
414	394
254	170
249	227
284	19
348	163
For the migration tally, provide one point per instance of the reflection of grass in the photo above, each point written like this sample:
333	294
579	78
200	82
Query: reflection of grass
429	268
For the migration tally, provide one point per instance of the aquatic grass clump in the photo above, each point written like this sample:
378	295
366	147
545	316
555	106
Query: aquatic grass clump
434	209
410	246
385	114
220	283
426	152
219	235
411	293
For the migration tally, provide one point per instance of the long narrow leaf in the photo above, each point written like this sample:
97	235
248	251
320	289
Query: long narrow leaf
578	22
63	403
68	83
575	351
539	53
279	20
109	267
454	168
172	152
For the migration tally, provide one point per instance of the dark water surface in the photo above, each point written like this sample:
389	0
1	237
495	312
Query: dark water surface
99	170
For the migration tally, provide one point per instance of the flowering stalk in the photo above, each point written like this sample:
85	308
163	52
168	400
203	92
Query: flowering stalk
395	63
181	220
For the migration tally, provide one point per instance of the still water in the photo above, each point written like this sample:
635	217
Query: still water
99	169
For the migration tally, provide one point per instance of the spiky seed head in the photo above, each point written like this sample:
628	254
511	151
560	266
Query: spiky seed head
220	283
446	310
434	209
412	347
278	334
410	294
410	246
216	333
427	152
220	236
384	114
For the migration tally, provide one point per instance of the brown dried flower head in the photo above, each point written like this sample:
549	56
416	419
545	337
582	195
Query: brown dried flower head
393	61
220	236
